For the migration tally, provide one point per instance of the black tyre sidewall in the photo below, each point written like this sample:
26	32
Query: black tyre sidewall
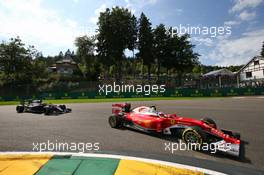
114	121
20	109
47	111
194	131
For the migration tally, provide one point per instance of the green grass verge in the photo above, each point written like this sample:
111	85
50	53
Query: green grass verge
9	103
66	101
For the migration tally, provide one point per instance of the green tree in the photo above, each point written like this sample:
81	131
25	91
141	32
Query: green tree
197	69
186	57
103	46
133	31
171	50
160	44
179	55
61	55
145	42
39	70
15	61
116	32
85	48
85	56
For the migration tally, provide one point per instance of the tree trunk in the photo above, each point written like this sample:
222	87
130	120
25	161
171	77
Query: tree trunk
119	72
158	72
167	75
180	79
149	67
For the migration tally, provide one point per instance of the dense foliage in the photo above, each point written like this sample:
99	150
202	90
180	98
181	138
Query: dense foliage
104	56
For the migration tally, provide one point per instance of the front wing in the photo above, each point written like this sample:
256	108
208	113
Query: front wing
222	146
229	148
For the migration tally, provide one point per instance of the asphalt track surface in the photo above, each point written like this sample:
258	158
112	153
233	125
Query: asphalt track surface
88	123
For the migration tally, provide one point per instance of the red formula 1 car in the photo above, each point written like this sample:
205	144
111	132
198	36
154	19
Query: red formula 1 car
148	119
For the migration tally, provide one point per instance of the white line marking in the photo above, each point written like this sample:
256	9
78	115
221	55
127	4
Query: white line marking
176	165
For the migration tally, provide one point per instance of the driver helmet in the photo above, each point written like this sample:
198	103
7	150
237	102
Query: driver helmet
153	109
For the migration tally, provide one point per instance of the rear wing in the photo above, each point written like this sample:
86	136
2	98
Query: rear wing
120	107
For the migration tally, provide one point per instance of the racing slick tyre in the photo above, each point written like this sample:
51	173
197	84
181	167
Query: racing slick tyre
20	109
115	121
63	107
209	121
193	135
47	111
68	110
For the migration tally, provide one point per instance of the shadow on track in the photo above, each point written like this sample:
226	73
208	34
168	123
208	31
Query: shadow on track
242	155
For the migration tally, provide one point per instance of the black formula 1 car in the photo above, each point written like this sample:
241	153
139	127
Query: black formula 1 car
36	106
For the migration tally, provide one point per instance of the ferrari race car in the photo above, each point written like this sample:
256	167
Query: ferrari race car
191	131
36	106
